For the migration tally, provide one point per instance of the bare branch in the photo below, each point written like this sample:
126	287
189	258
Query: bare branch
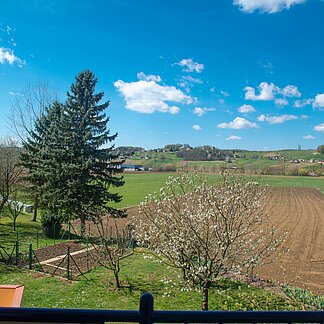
28	105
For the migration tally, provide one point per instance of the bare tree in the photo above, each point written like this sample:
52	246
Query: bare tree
28	105
15	208
10	171
112	244
205	230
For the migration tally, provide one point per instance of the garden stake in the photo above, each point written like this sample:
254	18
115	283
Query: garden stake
30	256
68	263
17	252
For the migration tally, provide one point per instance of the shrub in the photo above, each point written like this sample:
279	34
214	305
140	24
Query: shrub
51	224
306	297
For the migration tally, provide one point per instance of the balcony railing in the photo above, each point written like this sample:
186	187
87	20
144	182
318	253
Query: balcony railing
147	315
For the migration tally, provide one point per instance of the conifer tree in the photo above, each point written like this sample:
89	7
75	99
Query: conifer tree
89	164
71	163
37	155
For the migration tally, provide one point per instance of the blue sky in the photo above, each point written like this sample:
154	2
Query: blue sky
233	74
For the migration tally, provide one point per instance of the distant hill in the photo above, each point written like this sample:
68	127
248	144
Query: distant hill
174	157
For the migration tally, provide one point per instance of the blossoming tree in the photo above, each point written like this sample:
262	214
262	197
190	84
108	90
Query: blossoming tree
207	230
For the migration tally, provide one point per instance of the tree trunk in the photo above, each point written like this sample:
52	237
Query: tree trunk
14	224
204	297
35	209
82	225
2	203
118	286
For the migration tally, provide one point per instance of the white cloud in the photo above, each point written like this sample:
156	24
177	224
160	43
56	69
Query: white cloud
150	77
148	96
319	101
291	91
224	93
233	138
190	66
190	79
221	101
238	123
196	127
267	66
187	82
302	103
246	109
7	29
212	89
12	42
265	6
267	92
261	118
319	128
280	118
281	102
309	137
201	111
8	56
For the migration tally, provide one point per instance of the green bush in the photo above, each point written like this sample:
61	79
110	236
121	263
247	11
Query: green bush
52	224
306	297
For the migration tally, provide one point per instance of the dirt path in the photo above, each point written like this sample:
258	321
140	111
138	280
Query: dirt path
300	212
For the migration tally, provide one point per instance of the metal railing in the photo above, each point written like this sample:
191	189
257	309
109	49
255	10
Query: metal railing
147	315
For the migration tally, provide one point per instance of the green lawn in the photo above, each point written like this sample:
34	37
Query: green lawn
138	185
292	181
138	275
27	232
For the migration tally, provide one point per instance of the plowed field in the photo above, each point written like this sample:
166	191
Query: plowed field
300	212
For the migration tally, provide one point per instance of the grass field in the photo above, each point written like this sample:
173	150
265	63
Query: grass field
138	275
138	185
27	232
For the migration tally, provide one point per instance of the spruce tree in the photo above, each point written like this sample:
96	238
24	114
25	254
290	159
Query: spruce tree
90	164
71	163
38	156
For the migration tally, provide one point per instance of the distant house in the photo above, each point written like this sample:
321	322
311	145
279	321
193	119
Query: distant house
274	156
132	167
297	161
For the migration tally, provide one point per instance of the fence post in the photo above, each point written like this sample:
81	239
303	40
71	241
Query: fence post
68	263
17	252
146	308
30	256
87	256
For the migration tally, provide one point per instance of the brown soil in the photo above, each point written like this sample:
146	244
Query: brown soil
299	211
78	264
53	251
